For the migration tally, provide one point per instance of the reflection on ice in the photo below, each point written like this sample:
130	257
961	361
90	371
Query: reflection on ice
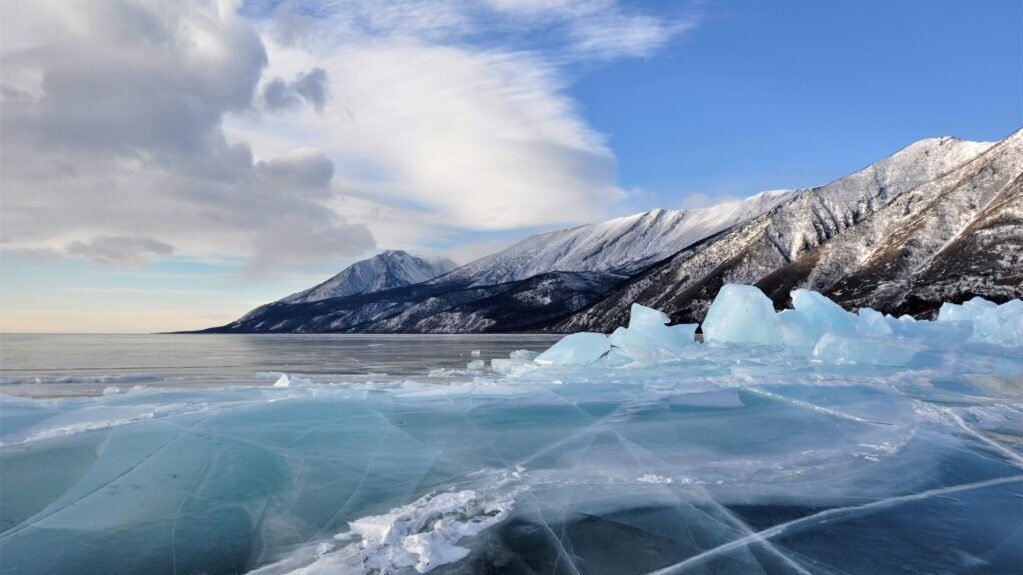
818	442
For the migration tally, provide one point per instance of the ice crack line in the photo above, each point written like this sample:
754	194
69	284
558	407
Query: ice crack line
1015	458
813	407
803	522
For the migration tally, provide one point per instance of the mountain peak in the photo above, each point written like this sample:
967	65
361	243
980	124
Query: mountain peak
388	269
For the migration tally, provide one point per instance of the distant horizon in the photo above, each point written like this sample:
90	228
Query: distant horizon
169	166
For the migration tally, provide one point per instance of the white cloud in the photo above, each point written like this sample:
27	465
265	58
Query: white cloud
301	138
112	139
422	119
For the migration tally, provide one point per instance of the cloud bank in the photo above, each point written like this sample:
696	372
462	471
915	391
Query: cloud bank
280	133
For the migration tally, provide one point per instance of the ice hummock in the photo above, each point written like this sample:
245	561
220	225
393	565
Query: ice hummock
815	327
742	314
992	323
861	443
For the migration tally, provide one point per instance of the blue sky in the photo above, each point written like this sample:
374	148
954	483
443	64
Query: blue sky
169	165
784	94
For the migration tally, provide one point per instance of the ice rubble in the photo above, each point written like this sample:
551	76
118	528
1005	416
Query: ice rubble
992	323
816	327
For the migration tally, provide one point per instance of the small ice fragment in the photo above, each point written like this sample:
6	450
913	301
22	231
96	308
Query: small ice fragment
654	479
111	390
476	365
511	366
523	354
581	348
287	381
742	314
475	353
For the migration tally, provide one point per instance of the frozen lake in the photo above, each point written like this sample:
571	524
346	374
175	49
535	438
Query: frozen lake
65	365
860	454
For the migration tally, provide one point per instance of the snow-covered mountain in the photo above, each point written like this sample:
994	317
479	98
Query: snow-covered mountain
939	220
866	239
623	245
388	269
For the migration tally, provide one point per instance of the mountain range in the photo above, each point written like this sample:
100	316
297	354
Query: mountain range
939	220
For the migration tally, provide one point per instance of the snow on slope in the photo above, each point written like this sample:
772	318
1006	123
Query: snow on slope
389	269
622	245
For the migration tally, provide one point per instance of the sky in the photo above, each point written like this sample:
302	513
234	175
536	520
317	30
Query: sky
169	165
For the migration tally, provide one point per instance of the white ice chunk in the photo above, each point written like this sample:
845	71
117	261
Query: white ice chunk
742	314
475	353
423	534
581	348
476	365
523	354
287	381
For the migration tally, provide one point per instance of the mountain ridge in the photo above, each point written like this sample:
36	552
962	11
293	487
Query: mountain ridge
937	212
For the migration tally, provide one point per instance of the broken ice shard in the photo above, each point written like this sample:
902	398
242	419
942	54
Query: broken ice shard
581	348
742	314
649	339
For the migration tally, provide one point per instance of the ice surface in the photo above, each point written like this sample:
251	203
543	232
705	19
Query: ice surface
873	452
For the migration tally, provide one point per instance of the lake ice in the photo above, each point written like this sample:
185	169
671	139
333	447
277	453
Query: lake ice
810	441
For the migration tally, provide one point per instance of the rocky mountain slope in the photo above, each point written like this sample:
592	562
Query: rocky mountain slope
870	239
940	220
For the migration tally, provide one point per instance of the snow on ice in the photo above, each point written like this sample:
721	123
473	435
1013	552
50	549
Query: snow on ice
812	440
